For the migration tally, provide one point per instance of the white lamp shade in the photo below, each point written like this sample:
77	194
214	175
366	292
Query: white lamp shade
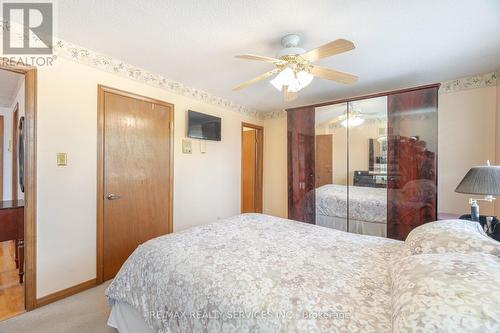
295	83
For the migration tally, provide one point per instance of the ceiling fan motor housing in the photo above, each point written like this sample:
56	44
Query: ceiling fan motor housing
290	44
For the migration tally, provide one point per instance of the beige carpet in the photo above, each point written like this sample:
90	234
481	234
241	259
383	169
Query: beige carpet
86	312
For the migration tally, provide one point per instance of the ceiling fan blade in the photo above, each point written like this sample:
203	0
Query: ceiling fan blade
259	58
289	96
334	75
256	79
329	49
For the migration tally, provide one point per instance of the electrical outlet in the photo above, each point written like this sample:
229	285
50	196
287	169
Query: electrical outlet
186	146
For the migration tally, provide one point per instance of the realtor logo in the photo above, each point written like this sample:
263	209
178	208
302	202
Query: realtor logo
34	34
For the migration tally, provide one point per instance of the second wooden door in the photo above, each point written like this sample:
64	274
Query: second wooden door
251	168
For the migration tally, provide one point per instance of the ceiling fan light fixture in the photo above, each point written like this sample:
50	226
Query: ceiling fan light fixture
295	82
352	121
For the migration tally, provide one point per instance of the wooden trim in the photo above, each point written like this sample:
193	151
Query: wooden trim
357	98
15	153
30	87
104	88
100	185
101	89
30	111
45	300
260	166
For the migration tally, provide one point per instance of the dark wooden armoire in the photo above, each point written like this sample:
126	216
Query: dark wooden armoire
411	161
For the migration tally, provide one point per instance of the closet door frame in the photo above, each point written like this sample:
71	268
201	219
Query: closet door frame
361	97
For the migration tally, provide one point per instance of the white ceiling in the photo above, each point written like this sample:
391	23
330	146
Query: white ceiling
9	84
399	43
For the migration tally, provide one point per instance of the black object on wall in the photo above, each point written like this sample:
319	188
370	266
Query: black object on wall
21	153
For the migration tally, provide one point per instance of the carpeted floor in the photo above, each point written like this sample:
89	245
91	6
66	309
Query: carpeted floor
86	312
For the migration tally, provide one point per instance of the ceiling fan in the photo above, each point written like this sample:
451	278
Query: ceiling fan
356	117
294	66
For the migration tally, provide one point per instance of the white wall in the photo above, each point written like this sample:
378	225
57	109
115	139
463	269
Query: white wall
466	137
275	167
7	113
206	186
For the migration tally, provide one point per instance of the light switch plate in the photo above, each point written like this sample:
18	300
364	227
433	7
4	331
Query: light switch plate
62	159
186	146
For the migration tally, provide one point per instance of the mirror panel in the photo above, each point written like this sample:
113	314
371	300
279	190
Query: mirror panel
367	165
331	166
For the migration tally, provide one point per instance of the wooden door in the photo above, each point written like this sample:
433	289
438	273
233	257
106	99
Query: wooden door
248	170
324	159
252	148
136	177
412	160
301	164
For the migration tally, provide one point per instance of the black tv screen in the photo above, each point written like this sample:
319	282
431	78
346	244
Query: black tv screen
203	126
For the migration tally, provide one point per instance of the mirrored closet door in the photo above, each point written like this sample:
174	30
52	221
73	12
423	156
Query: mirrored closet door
331	166
366	165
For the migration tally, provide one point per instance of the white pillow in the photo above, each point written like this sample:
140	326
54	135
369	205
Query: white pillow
451	236
450	292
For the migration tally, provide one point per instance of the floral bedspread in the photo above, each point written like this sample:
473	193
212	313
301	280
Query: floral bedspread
365	203
257	273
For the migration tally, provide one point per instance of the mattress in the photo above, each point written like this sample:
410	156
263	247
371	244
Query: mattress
259	273
365	203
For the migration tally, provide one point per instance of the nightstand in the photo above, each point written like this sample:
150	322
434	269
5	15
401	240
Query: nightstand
482	221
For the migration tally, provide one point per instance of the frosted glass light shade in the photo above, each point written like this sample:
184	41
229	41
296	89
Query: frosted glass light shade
352	121
295	83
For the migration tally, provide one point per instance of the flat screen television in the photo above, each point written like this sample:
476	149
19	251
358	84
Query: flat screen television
203	126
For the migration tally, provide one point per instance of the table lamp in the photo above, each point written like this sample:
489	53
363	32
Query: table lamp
480	180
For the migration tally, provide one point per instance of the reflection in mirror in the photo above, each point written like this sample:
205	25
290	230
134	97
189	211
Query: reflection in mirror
331	166
367	193
351	166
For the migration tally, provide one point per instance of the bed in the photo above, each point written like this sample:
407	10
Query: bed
257	273
367	209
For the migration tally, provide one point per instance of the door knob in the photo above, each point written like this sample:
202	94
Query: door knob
113	197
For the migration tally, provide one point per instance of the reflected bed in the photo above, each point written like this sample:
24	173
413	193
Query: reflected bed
367	209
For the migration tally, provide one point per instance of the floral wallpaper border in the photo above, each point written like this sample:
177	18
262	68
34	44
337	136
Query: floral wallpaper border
109	64
465	83
470	82
273	114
